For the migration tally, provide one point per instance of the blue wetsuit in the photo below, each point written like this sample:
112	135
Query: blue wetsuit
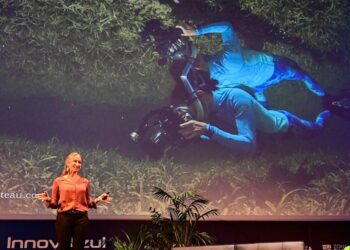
235	65
234	107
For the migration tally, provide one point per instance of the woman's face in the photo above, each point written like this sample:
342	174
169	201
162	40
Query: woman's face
74	163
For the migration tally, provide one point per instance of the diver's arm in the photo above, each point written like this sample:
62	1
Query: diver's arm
244	143
228	35
245	119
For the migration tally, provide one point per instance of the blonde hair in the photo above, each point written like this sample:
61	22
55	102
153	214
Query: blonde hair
68	158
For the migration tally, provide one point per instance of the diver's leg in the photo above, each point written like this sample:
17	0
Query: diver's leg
303	127
312	85
260	97
287	69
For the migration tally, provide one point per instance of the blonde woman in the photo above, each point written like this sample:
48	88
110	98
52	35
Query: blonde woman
71	198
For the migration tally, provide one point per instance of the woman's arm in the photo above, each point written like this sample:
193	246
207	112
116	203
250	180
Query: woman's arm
53	203
50	202
105	197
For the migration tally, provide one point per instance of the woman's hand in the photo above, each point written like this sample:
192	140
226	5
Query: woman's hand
43	196
192	129
187	31
105	197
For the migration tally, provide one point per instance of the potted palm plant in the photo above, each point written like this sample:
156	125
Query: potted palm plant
178	228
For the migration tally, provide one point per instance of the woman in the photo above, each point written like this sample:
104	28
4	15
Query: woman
71	197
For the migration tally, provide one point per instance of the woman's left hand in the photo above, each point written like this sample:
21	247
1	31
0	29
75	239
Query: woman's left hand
105	197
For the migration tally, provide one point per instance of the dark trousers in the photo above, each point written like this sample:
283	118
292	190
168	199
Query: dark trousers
71	225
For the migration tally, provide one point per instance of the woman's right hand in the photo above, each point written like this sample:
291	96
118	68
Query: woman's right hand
43	196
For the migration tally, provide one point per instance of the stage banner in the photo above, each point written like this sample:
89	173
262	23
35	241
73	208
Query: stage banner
41	235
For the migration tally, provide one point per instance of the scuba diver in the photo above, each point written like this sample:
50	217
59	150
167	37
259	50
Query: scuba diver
235	66
231	108
230	115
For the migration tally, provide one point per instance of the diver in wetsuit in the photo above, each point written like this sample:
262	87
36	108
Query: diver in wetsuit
235	66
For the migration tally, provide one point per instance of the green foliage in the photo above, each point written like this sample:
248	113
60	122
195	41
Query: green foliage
134	241
320	24
120	245
279	206
323	24
82	48
180	226
268	184
90	51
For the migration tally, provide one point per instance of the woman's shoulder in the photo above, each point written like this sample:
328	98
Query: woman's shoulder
84	180
59	178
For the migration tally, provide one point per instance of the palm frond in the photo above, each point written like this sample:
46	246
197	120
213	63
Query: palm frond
162	195
202	238
209	213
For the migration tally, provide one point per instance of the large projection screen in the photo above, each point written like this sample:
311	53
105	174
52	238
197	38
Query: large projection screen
77	76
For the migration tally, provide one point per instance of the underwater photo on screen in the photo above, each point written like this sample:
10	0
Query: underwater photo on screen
246	103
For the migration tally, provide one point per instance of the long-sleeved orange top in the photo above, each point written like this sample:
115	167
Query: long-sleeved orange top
68	195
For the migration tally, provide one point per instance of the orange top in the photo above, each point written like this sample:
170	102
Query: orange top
68	195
